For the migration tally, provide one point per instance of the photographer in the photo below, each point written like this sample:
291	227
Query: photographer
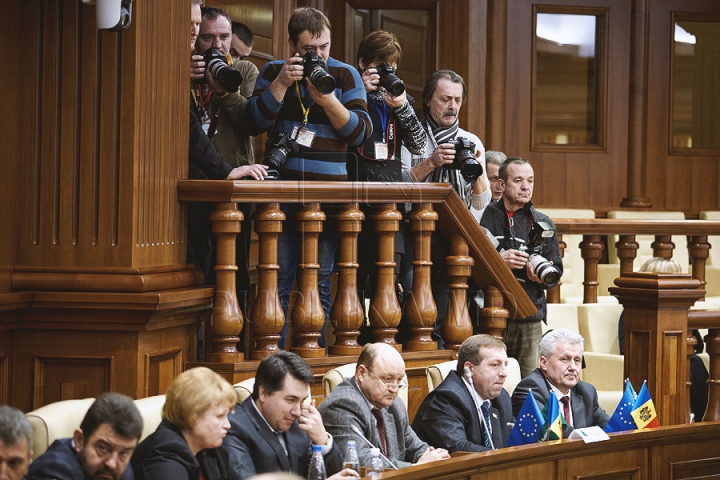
317	104
512	220
452	155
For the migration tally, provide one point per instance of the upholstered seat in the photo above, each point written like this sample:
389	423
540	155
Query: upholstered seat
436	374
244	389
151	411
333	377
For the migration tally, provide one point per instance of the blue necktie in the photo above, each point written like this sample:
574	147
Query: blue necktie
485	407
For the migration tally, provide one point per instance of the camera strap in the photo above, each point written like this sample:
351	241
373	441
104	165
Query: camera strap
383	117
305	110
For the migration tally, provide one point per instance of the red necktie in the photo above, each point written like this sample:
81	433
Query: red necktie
381	428
566	408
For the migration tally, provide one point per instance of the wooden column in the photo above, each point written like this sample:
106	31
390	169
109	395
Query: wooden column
307	315
591	251
627	249
421	308
227	319
494	315
267	317
656	312
346	315
663	246
699	251
385	310
712	346
456	325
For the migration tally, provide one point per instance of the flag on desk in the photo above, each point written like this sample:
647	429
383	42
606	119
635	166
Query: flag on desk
643	411
554	420
528	424
622	420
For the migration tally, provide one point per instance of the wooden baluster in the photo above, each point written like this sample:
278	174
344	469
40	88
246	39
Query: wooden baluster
553	294
494	315
227	321
591	251
663	246
346	315
691	342
699	250
712	347
307	315
627	249
385	312
456	325
267	317
421	308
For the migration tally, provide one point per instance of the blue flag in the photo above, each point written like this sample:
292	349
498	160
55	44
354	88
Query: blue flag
528	424
621	420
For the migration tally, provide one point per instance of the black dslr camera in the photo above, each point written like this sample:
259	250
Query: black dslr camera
545	271
465	160
277	150
215	63
314	69
389	80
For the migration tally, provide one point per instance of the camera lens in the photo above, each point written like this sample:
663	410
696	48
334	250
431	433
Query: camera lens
228	78
545	271
323	81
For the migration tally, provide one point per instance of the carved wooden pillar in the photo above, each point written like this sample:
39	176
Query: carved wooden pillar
307	315
456	325
699	251
656	313
227	321
267	317
421	308
712	347
385	310
627	249
591	251
691	342
663	246
494	315
553	294
346	315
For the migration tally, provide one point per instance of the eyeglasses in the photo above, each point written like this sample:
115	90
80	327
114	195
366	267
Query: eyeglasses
388	385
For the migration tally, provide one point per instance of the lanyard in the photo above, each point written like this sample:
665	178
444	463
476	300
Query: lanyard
383	116
305	111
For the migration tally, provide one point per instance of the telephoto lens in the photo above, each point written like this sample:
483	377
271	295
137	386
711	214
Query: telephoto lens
314	69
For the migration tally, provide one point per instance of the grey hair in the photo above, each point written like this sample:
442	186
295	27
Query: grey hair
495	157
549	340
14	427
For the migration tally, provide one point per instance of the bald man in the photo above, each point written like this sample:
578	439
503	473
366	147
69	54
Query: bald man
369	402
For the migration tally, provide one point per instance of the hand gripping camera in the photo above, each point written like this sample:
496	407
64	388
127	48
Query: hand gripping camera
277	150
389	80
546	272
465	160
314	69
216	63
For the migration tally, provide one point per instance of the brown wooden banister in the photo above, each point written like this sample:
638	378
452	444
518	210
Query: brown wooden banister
429	200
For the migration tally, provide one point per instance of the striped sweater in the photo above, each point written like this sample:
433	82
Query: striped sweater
325	160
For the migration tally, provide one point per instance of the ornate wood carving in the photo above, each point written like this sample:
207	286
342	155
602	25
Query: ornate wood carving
456	326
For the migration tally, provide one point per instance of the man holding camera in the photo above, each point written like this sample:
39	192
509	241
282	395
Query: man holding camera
452	155
312	107
528	244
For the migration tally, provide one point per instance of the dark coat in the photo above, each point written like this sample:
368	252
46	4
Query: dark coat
60	462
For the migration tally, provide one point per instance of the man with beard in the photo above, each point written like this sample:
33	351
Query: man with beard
100	449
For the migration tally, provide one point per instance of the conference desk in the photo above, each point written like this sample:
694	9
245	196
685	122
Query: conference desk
676	452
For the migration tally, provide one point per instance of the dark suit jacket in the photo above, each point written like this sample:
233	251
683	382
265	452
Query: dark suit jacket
448	418
586	411
254	449
205	161
60	462
165	455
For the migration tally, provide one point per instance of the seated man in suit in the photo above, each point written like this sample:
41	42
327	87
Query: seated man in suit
275	428
561	354
100	449
470	410
366	408
16	443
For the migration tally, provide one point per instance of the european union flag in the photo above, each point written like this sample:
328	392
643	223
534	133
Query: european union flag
621	420
528	424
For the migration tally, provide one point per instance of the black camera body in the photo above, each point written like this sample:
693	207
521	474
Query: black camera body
389	80
277	151
545	271
216	63
314	69
465	160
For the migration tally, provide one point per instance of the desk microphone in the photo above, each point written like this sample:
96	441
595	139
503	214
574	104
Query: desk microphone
359	433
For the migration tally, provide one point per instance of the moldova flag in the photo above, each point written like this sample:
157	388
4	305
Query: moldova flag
554	420
528	423
622	419
643	411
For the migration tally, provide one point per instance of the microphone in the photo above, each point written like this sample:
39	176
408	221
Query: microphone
359	433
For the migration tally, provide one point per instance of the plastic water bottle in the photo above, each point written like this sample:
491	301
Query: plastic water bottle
375	463
316	470
351	457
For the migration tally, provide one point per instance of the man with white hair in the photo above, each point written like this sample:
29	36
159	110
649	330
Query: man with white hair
16	441
561	352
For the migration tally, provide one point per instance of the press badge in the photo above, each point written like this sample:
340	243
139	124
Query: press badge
303	136
381	151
